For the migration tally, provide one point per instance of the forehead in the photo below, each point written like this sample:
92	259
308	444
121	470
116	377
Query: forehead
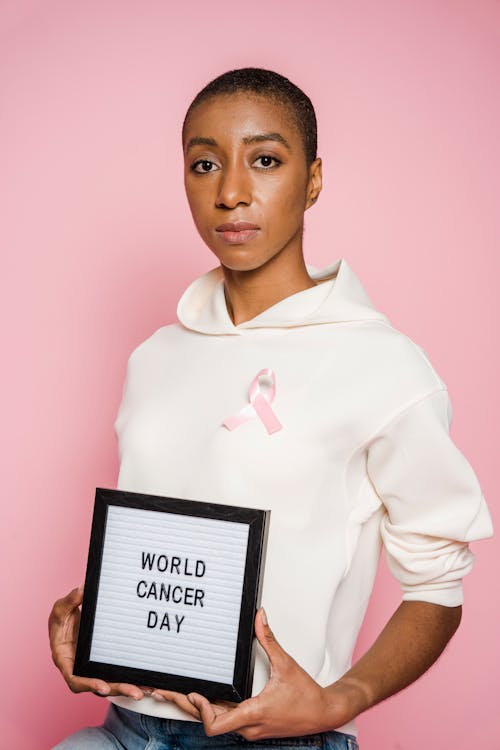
231	117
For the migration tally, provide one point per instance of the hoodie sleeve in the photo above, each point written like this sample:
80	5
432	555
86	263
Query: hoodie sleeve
433	500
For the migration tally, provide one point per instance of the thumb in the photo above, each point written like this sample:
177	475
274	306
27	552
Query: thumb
65	607
73	600
275	653
76	594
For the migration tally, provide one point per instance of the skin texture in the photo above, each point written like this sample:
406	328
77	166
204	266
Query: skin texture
293	704
233	173
262	181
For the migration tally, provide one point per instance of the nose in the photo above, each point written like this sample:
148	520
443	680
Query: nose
234	187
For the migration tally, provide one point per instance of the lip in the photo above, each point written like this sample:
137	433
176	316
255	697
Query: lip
236	226
238	232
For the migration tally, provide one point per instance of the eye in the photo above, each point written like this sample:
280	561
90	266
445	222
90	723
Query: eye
267	162
203	166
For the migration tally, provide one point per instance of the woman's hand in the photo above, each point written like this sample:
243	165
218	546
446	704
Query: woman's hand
64	621
291	704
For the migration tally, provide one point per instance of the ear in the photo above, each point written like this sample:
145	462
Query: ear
315	183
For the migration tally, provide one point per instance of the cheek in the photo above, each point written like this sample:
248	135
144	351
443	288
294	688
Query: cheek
197	201
289	201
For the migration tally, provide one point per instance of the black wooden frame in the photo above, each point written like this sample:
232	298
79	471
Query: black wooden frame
258	523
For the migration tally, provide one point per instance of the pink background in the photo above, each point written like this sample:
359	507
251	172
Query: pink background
97	245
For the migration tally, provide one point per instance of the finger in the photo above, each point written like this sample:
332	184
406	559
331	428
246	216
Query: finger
74	598
216	720
275	653
102	688
124	688
224	704
83	684
179	699
62	607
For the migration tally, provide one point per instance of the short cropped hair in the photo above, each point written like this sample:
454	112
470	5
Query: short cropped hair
273	86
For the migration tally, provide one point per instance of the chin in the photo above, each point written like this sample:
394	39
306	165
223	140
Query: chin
249	265
240	258
242	267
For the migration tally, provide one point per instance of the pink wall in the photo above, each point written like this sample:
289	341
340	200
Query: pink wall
97	245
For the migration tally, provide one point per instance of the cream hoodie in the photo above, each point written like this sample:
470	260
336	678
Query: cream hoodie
363	458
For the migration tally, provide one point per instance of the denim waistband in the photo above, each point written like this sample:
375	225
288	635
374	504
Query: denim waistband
194	735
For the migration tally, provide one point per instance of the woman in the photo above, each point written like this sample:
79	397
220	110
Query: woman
354	451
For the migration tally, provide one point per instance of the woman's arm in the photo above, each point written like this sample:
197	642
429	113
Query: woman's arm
292	703
410	643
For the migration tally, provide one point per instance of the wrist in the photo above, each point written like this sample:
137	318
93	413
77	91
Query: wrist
348	697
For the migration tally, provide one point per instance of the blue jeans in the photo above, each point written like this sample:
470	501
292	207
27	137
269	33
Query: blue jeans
128	730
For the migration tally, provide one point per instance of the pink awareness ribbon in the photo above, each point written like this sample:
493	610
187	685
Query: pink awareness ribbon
260	405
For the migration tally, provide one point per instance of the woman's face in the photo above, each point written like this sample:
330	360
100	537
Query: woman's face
247	179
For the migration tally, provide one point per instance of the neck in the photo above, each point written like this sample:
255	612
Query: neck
249	293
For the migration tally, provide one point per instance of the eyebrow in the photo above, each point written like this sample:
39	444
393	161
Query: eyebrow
258	138
261	137
200	141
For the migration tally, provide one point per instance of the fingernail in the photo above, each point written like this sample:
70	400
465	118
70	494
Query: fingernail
264	616
157	697
103	691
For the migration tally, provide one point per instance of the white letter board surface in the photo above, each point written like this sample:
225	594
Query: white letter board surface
171	591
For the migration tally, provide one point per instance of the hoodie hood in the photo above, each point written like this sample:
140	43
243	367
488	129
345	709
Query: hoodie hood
340	297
